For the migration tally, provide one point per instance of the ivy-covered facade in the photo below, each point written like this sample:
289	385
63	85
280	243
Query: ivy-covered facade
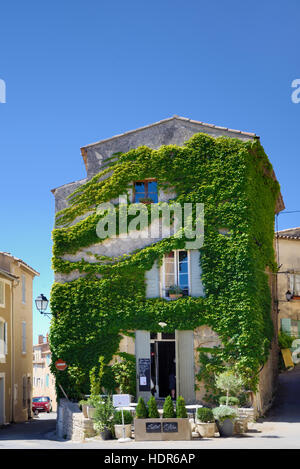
111	295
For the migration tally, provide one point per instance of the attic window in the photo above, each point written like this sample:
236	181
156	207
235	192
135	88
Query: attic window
146	189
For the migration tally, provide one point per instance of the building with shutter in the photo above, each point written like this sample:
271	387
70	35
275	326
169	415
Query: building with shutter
16	279
163	356
43	379
288	251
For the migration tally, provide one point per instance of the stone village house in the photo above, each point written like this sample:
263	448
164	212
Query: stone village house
183	268
288	252
16	279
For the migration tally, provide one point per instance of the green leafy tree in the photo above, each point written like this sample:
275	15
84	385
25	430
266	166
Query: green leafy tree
229	382
152	408
168	409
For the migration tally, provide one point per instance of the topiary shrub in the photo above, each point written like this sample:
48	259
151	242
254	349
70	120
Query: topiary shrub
231	400
168	409
152	408
117	418
141	409
205	415
181	412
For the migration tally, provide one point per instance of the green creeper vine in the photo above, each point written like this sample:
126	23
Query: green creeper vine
235	182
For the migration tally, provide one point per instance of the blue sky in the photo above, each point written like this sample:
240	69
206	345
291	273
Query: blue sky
80	71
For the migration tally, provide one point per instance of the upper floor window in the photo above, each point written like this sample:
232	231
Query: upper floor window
2	293
23	289
295	284
145	191
176	272
3	338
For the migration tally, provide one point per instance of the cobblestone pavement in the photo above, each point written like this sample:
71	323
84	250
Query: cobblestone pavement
280	429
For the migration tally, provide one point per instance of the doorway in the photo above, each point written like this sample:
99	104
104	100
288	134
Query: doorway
163	367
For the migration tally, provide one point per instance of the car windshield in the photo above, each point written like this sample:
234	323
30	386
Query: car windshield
40	399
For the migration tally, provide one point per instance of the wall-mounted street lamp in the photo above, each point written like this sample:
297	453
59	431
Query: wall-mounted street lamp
41	304
289	295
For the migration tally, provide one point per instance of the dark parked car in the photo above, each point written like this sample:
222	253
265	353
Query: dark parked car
41	404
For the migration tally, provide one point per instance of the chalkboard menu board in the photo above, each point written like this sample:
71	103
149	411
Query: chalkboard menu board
144	374
153	427
170	427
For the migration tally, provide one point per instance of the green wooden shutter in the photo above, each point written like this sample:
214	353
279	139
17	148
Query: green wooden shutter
286	325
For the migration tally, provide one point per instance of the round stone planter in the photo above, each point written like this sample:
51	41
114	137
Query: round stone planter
91	412
225	428
119	431
206	430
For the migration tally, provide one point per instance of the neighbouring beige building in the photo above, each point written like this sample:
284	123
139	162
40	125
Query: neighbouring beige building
16	279
288	251
43	379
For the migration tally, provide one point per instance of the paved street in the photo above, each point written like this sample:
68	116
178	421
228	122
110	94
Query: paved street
280	429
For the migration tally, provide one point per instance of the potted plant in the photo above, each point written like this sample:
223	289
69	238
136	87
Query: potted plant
152	409
174	292
91	405
83	405
229	382
224	416
168	409
149	426
103	418
146	200
205	422
232	401
118	423
141	411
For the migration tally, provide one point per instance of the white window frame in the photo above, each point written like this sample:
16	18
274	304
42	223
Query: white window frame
295	279
176	263
2	286
3	342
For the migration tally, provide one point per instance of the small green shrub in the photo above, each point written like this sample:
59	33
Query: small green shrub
231	400
152	408
205	415
224	412
141	409
117	418
104	415
285	340
168	409
180	408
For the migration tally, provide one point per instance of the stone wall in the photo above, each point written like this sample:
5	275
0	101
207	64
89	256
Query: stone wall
71	423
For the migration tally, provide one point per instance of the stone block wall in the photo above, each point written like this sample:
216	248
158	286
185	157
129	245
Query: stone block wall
71	423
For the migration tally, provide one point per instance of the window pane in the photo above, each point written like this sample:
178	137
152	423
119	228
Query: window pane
183	267
153	196
139	196
183	256
139	187
183	280
152	186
